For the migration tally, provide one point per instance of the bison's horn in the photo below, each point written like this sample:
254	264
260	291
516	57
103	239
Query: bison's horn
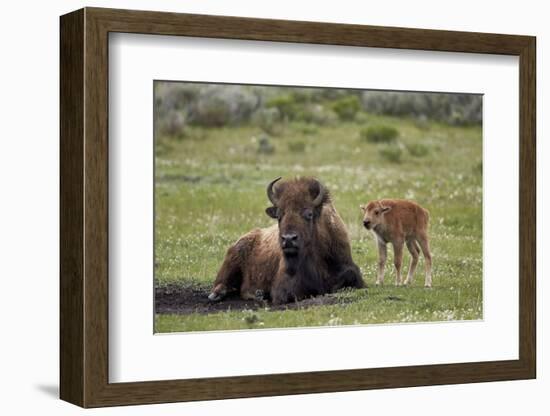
320	196
271	193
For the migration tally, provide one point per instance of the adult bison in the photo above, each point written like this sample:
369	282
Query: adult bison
308	253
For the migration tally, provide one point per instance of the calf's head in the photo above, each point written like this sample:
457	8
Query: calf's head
373	214
297	206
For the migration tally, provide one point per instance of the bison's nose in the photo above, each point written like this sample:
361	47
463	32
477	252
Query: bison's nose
366	223
289	239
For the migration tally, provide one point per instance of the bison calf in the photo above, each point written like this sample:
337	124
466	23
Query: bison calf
399	222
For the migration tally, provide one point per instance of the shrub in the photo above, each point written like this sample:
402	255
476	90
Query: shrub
307	129
347	107
285	104
417	149
297	147
171	96
454	109
172	106
391	153
172	124
219	105
207	105
315	114
421	122
264	145
269	120
379	134
302	95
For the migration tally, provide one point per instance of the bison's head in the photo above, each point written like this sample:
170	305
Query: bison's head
297	205
373	214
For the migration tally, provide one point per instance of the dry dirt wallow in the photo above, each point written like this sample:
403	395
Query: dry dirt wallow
173	299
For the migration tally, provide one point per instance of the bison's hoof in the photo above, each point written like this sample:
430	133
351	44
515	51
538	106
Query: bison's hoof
428	286
214	297
259	295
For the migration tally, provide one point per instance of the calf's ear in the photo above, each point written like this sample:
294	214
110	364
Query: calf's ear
385	209
271	211
363	208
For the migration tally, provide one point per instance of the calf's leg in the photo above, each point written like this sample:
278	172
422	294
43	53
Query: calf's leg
412	245
398	260
382	255
425	246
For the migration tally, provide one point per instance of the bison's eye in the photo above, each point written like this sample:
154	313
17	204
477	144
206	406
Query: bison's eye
377	212
308	214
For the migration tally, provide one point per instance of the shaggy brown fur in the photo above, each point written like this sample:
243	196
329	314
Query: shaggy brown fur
308	253
399	221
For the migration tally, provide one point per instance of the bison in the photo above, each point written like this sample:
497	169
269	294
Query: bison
306	254
399	221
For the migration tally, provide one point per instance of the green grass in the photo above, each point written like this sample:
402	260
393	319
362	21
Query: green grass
210	189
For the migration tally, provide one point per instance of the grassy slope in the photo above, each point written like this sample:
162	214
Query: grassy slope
210	189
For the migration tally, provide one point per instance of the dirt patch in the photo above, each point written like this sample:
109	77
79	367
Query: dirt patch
173	299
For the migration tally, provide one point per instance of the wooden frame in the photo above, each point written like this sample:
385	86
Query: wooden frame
84	207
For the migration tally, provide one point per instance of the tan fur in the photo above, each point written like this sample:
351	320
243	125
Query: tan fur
256	266
399	222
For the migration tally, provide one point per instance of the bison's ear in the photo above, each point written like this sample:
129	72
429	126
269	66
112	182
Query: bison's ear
271	211
363	208
385	209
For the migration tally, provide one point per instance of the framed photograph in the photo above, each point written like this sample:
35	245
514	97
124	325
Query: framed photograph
255	207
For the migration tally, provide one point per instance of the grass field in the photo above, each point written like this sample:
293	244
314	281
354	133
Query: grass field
210	189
